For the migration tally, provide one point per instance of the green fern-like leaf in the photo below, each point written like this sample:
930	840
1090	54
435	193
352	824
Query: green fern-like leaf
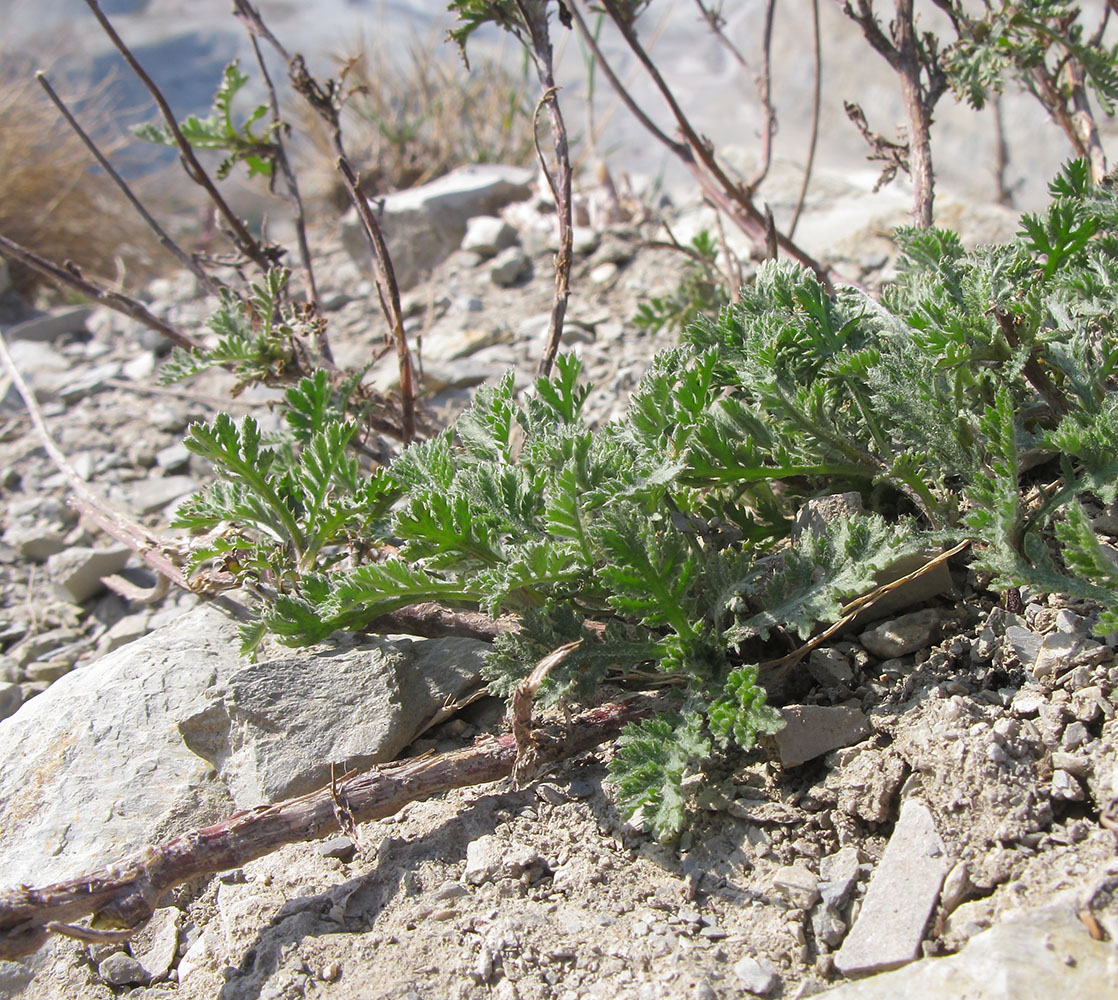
740	712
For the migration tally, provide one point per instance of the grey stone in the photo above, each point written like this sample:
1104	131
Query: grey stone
1087	703
603	273
47	670
828	926
77	572
11	697
156	945
126	630
1027	702
487	235
838	875
1074	736
757	977
86	381
39	364
272	731
907	634
798	885
100	744
901	896
829	667
121	969
36	541
1029	955
50	326
174	458
340	848
508	267
957	886
1072	763
1025	644
1055	652
585	240
488	859
813	730
1066	787
424	225
146	496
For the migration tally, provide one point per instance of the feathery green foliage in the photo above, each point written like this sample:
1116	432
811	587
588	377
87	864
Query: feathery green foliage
239	142
661	540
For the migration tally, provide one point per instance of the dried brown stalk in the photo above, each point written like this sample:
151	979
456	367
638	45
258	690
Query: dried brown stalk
126	893
70	276
816	104
778	668
208	282
325	101
520	712
694	151
915	59
256	28
763	79
263	257
153	550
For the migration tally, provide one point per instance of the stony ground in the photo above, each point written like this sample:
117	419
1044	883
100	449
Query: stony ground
987	738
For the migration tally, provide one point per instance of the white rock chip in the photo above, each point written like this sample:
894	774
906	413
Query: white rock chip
77	572
486	235
423	225
757	977
1036	954
901	896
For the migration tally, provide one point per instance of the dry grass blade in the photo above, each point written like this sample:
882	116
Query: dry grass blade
51	201
409	120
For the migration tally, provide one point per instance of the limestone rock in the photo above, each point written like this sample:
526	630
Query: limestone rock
486	235
1030	955
812	730
77	572
51	326
903	635
901	896
423	225
273	730
93	768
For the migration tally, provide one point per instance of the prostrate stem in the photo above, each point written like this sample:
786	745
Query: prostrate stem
126	893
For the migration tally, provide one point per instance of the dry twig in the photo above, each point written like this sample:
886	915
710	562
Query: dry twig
127	892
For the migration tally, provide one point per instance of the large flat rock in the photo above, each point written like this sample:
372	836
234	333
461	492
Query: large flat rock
276	728
423	225
902	894
94	767
176	730
1037	954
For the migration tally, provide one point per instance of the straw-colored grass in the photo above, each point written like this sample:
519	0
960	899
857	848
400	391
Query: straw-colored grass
409	120
53	197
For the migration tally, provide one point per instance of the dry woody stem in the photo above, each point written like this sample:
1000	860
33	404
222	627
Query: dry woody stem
127	893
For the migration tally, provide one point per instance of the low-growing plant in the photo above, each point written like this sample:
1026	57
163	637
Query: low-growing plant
660	543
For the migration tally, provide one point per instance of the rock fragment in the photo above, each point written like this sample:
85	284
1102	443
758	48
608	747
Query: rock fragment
508	267
757	977
813	730
900	898
903	635
77	572
487	235
798	885
1034	954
